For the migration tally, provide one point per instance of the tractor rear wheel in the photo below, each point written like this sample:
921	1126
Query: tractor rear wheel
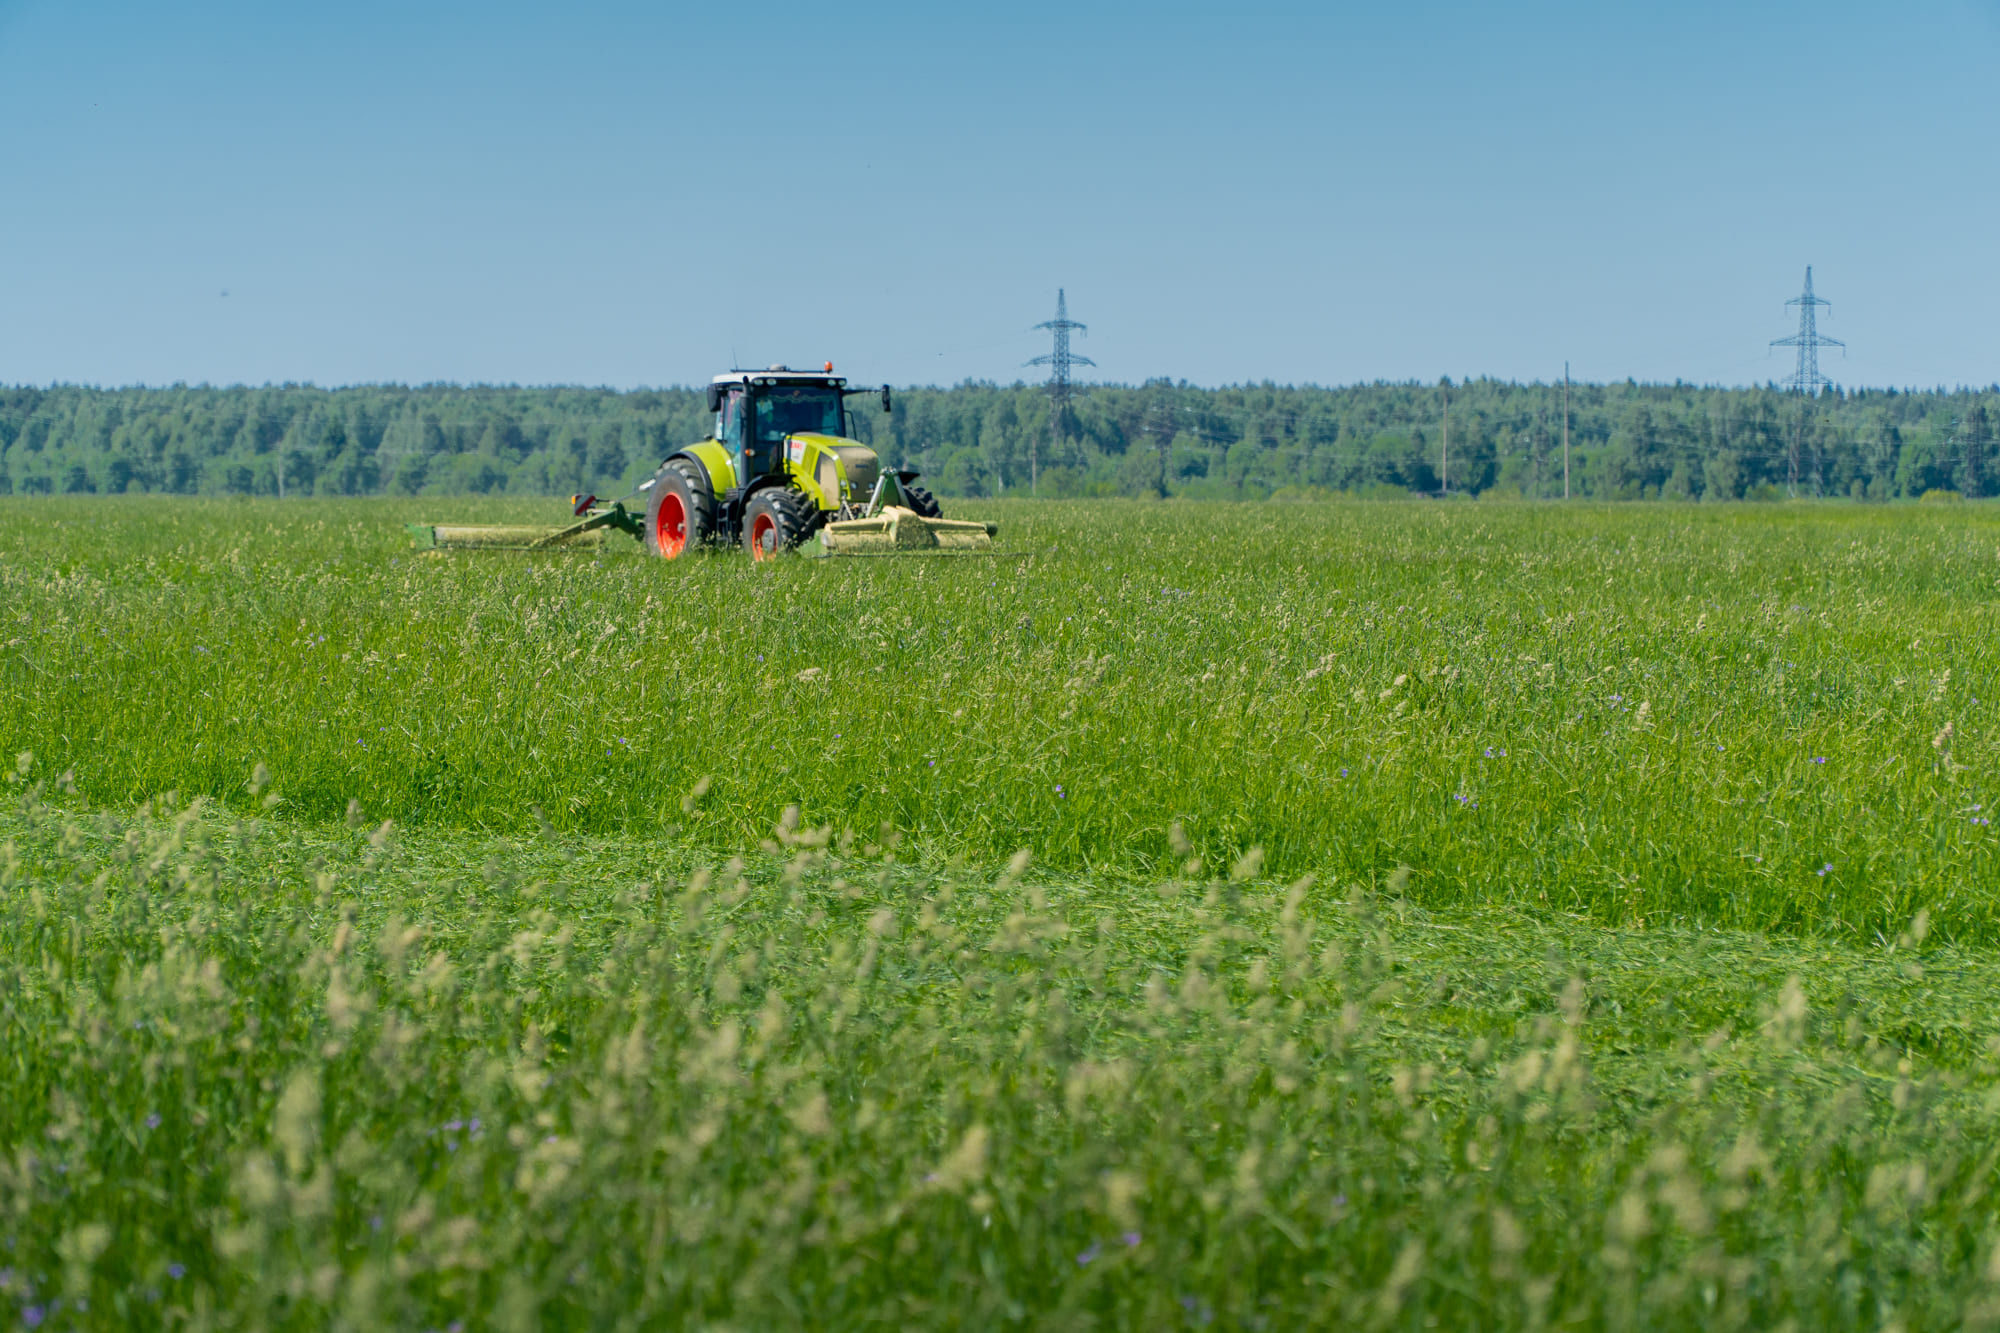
775	521
922	503
681	512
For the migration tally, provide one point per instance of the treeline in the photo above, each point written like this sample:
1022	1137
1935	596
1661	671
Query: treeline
1626	441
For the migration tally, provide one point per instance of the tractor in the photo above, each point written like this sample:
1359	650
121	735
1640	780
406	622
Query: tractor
781	472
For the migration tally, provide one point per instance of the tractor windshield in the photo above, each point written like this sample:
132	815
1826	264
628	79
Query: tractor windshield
792	409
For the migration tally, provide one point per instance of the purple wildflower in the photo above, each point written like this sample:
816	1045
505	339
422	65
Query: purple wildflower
153	1120
1088	1255
1819	759
1131	1239
177	1271
33	1316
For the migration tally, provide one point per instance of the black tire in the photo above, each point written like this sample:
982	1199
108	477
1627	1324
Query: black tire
776	520
680	511
922	503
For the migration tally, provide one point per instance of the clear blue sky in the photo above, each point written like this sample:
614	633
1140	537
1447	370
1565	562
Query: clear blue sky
629	194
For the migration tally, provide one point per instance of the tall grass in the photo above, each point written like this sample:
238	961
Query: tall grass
259	1076
1768	718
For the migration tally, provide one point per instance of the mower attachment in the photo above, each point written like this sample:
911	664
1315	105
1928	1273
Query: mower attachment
589	531
899	531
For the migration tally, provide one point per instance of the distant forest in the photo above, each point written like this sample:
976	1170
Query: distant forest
1628	441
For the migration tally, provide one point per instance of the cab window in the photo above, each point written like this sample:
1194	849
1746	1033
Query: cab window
795	410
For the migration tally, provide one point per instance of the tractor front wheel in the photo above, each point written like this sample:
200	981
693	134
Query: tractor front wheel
775	521
922	503
681	512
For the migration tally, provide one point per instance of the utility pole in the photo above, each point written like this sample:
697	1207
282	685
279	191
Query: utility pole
1535	450
1059	361
1444	469
1806	381
1565	430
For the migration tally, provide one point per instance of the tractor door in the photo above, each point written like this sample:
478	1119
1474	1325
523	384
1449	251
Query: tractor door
733	431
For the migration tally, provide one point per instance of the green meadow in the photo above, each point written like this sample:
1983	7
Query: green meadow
1244	916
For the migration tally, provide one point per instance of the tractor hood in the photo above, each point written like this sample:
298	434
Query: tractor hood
826	461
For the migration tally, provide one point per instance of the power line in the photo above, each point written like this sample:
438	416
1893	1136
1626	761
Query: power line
1059	362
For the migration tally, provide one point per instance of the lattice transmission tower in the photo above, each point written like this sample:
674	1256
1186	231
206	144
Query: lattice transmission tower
1059	362
1806	381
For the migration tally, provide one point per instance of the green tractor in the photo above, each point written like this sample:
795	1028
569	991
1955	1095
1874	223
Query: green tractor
782	472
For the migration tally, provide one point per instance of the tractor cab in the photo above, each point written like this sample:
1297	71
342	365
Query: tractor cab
756	412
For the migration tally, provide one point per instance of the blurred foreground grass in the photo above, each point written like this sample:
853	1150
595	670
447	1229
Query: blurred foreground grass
259	1075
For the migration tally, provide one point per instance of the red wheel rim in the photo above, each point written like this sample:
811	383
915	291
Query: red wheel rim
763	537
671	532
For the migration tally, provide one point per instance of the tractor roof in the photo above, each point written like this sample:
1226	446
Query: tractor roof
780	375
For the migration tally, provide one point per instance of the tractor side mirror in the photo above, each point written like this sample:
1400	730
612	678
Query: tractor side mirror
885	398
714	398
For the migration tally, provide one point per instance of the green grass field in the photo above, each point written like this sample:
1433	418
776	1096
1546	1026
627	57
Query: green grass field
1432	916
